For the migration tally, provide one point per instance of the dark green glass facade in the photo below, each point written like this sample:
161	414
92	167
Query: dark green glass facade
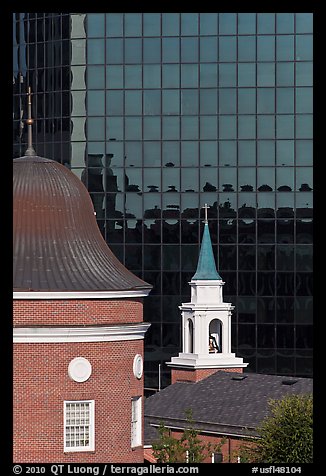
160	113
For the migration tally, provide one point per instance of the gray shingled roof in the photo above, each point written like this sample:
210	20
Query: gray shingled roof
220	403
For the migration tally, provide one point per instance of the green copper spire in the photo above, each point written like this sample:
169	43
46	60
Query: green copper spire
206	268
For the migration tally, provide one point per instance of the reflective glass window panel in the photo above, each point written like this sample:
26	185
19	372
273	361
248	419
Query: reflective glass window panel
285	258
304	22
190	205
171	231
246	284
152	257
170	128
227	127
247	153
189	180
189	75
304	284
133	128
304	230
246	48
133	253
95	103
208	101
189	257
208	153
304	258
170	24
208	49
208	76
227	153
304	74
228	75
266	179
170	50
304	337
246	309
151	76
78	77
114	24
265	337
227	101
78	52
284	284
265	101
95	128
189	154
265	127
133	24
189	102
304	100
152	128
304	47
189	127
266	257
304	203
247	179
285	179
171	179
208	179
189	50
303	310
114	51
266	48
227	48
227	231
152	180
133	154
133	76
171	205
151	24
152	50
285	48
171	283
246	257
227	205
95	25
95	52
78	106
304	126
227	258
265	22
114	128
285	205
246	74
246	100
246	23
227	23
208	23
304	152
170	154
208	127
114	103
171	101
152	228
285	74
133	50
266	283
285	100
284	152
266	231
266	205
133	205
304	178
228	179
266	74
285	127
114	77
266	309
170	75
247	205
285	311
246	336
247	127
152	209
152	102
95	77
133	103
284	22
189	23
152	154
116	149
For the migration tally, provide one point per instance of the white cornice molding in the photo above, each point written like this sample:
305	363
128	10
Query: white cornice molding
117	333
80	294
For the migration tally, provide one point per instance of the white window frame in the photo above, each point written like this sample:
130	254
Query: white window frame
91	426
136	422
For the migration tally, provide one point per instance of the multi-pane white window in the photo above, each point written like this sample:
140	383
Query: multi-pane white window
79	425
136	424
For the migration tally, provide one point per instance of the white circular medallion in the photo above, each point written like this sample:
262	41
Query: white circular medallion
79	369
138	366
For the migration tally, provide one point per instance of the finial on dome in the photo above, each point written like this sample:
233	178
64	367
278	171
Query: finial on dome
29	121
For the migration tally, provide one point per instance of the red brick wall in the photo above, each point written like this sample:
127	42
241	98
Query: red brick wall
75	312
41	384
183	375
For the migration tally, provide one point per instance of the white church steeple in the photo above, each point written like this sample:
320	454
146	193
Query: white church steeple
206	323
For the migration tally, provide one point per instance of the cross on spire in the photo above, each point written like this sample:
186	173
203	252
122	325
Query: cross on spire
206	207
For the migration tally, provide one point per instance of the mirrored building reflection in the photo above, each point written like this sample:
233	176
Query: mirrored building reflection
160	113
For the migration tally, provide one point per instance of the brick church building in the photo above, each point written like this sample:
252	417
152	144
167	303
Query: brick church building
78	326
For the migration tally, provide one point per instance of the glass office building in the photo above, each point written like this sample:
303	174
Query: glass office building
160	113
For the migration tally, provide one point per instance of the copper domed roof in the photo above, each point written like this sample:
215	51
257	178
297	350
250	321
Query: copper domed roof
57	243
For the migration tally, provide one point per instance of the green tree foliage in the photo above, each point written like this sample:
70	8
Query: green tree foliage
286	436
186	449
